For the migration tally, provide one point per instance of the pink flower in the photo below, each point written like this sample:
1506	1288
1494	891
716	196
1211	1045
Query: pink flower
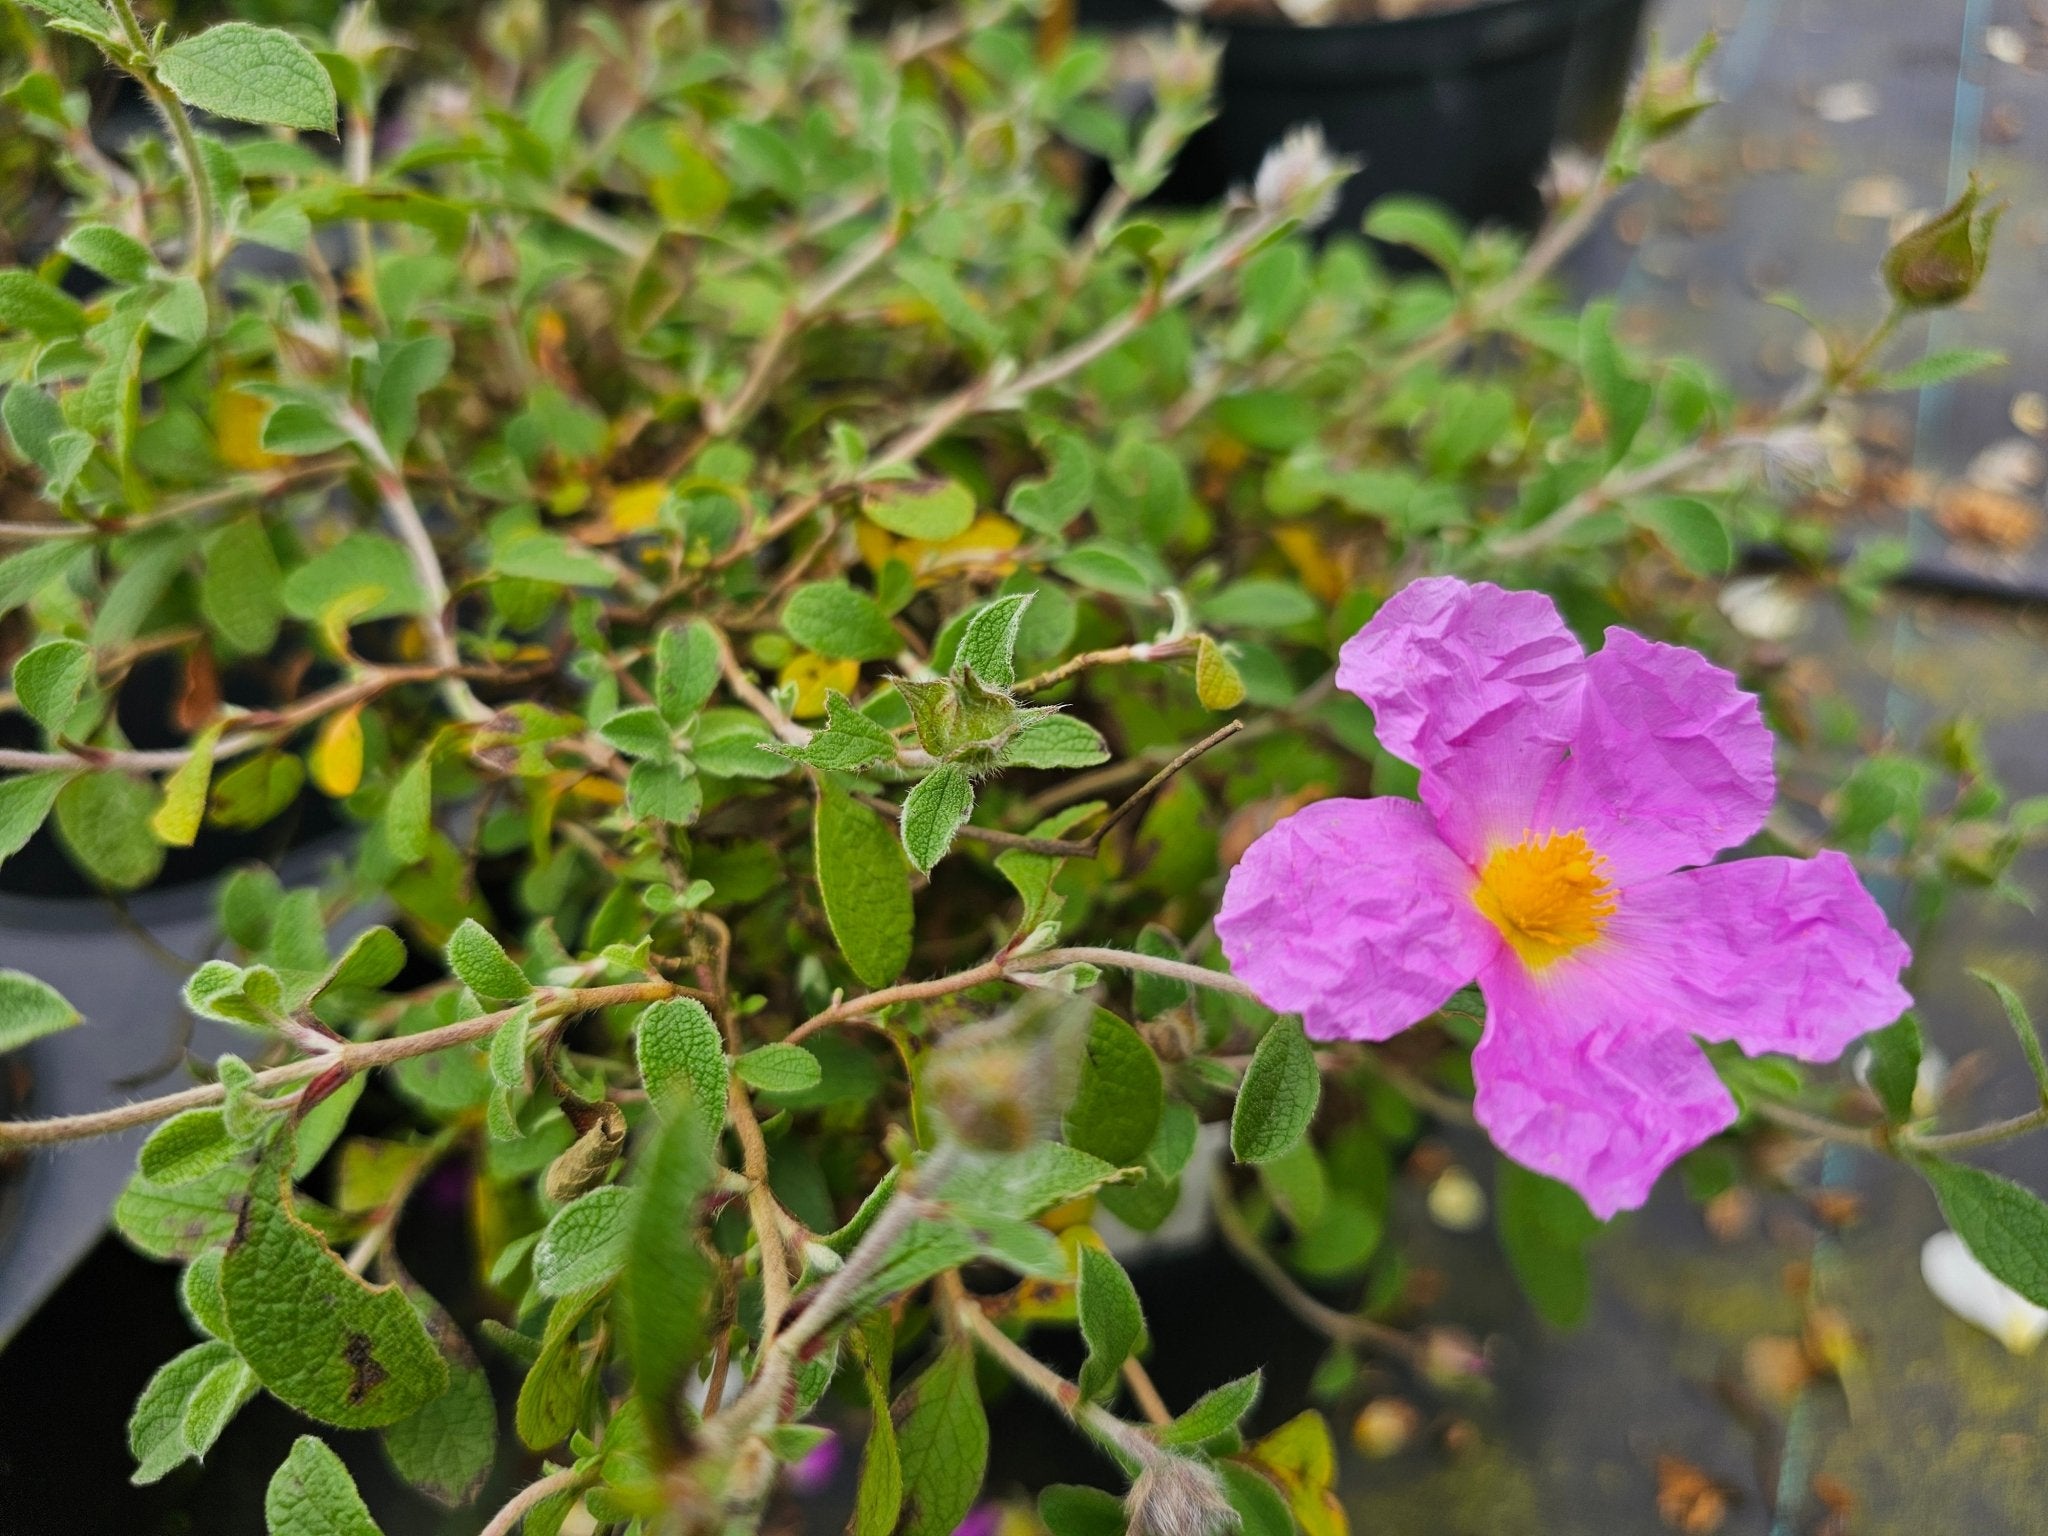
1566	800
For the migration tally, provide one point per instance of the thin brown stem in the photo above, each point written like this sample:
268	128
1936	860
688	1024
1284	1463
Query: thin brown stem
507	1519
354	1056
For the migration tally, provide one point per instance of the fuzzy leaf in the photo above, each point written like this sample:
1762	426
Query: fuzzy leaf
1278	1096
585	1242
482	964
1544	1228
1055	741
921	509
685	670
848	742
678	1048
779	1068
1117	1106
313	1495
1214	1412
49	678
989	647
186	1147
833	619
1112	1322
2005	1225
30	1009
115	255
251	74
937	806
942	1436
24	805
865	886
668	1279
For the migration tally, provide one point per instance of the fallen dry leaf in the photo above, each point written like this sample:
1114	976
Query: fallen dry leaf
1971	514
1688	1500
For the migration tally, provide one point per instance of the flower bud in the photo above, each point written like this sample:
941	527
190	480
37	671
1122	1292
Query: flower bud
1175	1496
1673	94
589	1158
1299	177
1183	68
1385	1427
1942	261
986	1094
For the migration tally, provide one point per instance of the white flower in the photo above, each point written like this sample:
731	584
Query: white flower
1307	13
1763	608
1299	177
1977	1296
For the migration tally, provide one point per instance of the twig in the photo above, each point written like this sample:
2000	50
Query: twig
1343	1327
353	1056
1944	1142
507	1519
1114	656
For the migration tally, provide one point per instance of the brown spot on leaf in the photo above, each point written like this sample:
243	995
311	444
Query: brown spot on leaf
366	1374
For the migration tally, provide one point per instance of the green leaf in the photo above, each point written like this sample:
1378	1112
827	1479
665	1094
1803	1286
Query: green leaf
833	619
104	821
199	1290
679	1049
865	886
879	1499
445	1450
372	958
584	1245
1421	226
988	649
1018	1186
552	1393
668	1279
251	74
685	670
1260	602
1055	741
183	1221
1261	1509
409	370
187	1146
1151	994
238	587
180	313
366	575
1067	1509
1112	1322
115	255
848	742
1214	1412
223	1393
779	1068
937	806
667	792
1940	368
409	812
156	1437
24	803
1623	399
1895	1066
1691	530
2022	1025
30	1009
483	965
1278	1096
49	678
319	1337
313	1495
921	509
86	15
26	573
2005	1225
29	304
508	1051
1544	1228
942	1435
1117	1106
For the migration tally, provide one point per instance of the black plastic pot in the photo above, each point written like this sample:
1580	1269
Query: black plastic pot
1463	107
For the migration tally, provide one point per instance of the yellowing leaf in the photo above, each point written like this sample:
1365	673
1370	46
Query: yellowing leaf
814	675
877	545
1318	568
177	820
1301	1457
985	544
336	761
632	507
1217	683
238	431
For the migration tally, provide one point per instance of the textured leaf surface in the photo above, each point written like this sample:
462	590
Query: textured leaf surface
668	1279
933	812
585	1242
779	1068
1278	1096
1214	1411
321	1338
49	678
30	1009
156	1436
252	74
833	619
865	886
1117	1106
942	1434
313	1495
445	1450
1112	1322
187	1147
2005	1225
678	1047
483	965
1544	1228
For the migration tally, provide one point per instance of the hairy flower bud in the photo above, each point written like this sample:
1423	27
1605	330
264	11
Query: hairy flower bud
589	1158
1175	1496
1299	177
1674	93
1942	261
1183	67
986	1095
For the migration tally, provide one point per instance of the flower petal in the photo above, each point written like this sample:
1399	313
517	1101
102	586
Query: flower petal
1581	1080
1787	955
1353	914
1476	686
1670	761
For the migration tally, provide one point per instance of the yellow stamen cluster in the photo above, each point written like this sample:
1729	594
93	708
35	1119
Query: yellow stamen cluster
1548	896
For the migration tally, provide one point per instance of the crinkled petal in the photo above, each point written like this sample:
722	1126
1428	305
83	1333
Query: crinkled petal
1586	1083
1670	761
1479	688
1353	914
1788	955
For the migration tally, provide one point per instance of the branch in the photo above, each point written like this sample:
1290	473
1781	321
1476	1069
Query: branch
1153	650
353	1056
506	1520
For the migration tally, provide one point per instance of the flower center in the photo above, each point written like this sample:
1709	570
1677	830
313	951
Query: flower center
1547	896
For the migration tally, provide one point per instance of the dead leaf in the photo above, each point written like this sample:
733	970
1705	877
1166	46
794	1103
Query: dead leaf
1688	1500
1990	519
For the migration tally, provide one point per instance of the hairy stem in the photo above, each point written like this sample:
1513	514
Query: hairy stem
507	1519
